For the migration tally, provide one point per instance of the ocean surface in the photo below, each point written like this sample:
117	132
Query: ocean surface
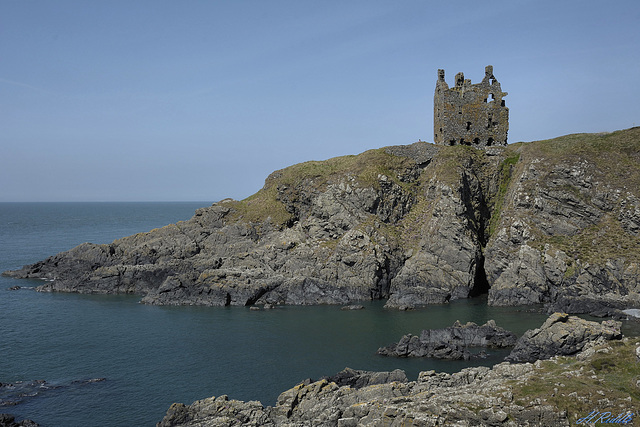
110	361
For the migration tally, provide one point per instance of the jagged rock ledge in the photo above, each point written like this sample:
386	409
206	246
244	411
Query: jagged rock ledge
8	420
562	335
451	343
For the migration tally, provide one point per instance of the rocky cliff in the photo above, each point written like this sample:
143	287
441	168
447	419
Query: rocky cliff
554	222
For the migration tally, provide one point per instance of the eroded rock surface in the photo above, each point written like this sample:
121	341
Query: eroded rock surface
562	335
7	420
451	343
474	396
567	232
359	379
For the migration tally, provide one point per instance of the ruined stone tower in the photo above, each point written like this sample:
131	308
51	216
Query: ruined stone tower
470	114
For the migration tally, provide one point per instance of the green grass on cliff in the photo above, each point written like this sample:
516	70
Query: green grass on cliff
364	169
361	170
616	155
604	240
451	160
261	207
613	161
604	382
505	174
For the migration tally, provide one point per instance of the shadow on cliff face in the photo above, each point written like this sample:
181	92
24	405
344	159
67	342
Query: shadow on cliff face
480	283
474	194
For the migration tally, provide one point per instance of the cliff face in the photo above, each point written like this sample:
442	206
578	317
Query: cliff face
568	229
553	222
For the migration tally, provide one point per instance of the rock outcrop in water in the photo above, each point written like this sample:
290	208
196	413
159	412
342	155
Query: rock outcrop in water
555	222
562	335
451	343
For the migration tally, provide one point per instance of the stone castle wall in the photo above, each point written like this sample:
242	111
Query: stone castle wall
470	114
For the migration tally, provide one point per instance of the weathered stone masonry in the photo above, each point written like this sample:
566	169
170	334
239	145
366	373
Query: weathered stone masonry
470	114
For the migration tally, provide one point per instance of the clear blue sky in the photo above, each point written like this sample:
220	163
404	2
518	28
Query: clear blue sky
201	100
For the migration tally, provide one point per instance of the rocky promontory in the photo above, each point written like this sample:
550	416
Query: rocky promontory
604	376
553	222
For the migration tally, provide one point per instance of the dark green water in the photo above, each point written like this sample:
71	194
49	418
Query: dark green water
153	356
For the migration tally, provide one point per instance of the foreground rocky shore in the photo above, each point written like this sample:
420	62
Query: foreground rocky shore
589	368
555	222
7	420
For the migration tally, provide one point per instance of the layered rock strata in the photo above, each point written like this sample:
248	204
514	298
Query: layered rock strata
358	379
562	335
554	222
451	343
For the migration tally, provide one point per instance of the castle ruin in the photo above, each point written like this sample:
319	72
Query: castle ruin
470	114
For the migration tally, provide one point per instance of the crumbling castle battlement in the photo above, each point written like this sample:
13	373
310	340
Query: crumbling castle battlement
470	114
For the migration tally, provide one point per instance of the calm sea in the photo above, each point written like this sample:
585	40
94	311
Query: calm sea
150	357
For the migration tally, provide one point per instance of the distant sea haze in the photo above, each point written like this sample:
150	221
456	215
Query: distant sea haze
150	356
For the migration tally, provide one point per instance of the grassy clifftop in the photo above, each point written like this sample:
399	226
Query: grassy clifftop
313	176
616	155
609	159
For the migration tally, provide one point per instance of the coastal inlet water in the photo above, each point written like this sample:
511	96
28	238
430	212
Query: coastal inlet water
110	361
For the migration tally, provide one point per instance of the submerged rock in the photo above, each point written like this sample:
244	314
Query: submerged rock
562	335
19	391
602	306
353	307
451	343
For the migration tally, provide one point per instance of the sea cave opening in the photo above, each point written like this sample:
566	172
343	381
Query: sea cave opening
480	282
